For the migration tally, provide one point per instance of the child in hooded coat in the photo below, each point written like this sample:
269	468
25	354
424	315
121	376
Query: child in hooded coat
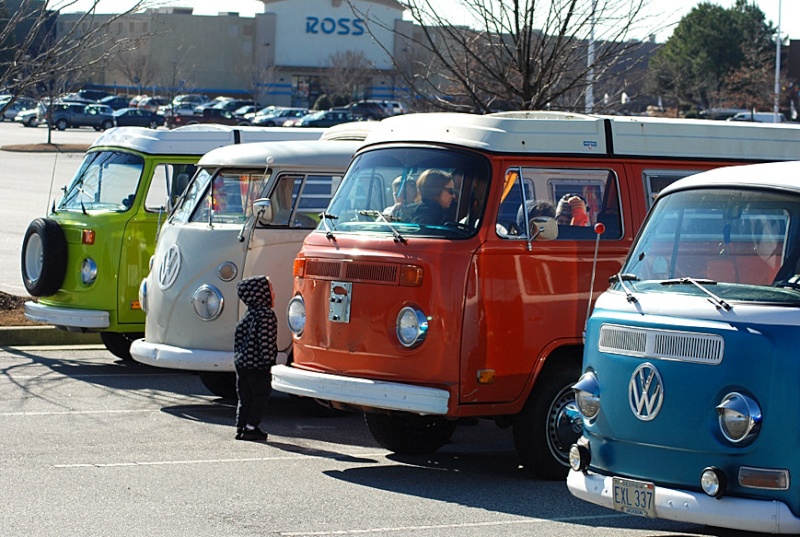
255	349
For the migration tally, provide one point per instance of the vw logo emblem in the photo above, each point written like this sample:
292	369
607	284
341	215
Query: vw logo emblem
169	267
646	392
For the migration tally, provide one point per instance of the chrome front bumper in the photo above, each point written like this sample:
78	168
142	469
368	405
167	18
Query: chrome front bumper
359	391
694	507
67	317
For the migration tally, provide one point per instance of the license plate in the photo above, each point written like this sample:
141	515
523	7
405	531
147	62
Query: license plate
634	497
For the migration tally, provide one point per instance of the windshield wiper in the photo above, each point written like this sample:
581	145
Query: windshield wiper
324	216
622	278
700	284
379	216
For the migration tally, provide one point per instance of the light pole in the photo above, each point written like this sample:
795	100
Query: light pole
775	108
590	63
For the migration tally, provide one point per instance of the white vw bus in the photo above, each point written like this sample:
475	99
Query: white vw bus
245	212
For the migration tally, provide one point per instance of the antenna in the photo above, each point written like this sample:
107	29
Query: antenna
599	229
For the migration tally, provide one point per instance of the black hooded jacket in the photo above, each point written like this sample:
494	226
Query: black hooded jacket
255	343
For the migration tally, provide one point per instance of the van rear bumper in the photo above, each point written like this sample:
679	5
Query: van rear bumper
67	317
360	391
169	357
694	507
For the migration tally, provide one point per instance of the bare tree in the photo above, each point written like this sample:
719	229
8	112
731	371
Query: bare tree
517	54
348	75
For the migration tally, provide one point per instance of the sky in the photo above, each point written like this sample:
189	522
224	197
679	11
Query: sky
666	12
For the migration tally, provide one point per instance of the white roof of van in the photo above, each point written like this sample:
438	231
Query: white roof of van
196	139
561	133
780	175
298	154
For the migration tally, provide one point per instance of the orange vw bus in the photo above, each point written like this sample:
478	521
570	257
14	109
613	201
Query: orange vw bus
468	298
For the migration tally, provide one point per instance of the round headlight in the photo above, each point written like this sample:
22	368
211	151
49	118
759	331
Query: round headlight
296	315
412	326
143	295
587	395
579	458
739	418
207	302
88	271
227	271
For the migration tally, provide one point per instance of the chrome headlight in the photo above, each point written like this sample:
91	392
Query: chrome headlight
143	295
412	327
208	302
88	271
587	395
296	315
739	418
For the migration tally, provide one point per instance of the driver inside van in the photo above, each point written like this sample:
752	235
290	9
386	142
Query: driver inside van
438	192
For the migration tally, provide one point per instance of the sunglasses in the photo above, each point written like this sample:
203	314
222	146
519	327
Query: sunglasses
451	191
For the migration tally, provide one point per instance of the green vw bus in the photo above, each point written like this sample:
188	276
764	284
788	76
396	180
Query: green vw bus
85	260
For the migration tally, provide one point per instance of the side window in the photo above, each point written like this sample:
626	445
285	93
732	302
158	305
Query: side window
656	180
168	183
576	198
298	199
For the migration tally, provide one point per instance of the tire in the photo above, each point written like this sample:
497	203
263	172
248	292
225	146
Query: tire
543	432
44	257
220	384
62	124
107	124
153	124
119	343
409	434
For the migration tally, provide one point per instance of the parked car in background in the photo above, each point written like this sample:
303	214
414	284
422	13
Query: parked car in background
244	110
367	109
198	109
137	117
92	94
758	117
170	112
209	115
30	117
193	99
22	103
278	116
151	103
116	102
323	118
73	115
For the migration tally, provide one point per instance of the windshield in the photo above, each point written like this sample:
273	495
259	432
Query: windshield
411	191
106	180
735	244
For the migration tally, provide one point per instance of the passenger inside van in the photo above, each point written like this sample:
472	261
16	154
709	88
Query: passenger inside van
404	190
572	211
437	190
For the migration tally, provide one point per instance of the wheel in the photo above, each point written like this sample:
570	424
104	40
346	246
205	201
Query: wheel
220	384
107	124
548	425
62	124
32	122
153	124
119	343
44	257
409	434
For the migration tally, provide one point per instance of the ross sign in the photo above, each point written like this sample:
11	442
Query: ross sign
329	25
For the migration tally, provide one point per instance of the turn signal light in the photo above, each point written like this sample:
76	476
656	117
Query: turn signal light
87	236
411	275
299	267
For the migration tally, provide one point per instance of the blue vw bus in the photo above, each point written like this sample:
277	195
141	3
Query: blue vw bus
689	389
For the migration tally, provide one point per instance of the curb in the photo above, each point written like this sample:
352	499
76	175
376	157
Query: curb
21	336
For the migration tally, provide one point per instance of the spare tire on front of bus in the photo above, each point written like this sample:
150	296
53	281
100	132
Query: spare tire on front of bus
44	257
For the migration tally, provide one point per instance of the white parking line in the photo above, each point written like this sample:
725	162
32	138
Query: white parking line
200	461
499	523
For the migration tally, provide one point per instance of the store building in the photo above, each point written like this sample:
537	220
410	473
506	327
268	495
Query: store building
289	55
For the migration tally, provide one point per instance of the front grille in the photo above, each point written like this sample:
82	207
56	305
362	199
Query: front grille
352	271
662	344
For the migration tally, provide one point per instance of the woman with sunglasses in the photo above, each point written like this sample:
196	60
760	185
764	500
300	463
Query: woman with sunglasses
437	190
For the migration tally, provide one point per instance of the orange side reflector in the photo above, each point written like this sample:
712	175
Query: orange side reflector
87	236
486	376
135	305
299	267
411	275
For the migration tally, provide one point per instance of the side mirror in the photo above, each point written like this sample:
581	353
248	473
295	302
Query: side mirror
262	207
543	228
